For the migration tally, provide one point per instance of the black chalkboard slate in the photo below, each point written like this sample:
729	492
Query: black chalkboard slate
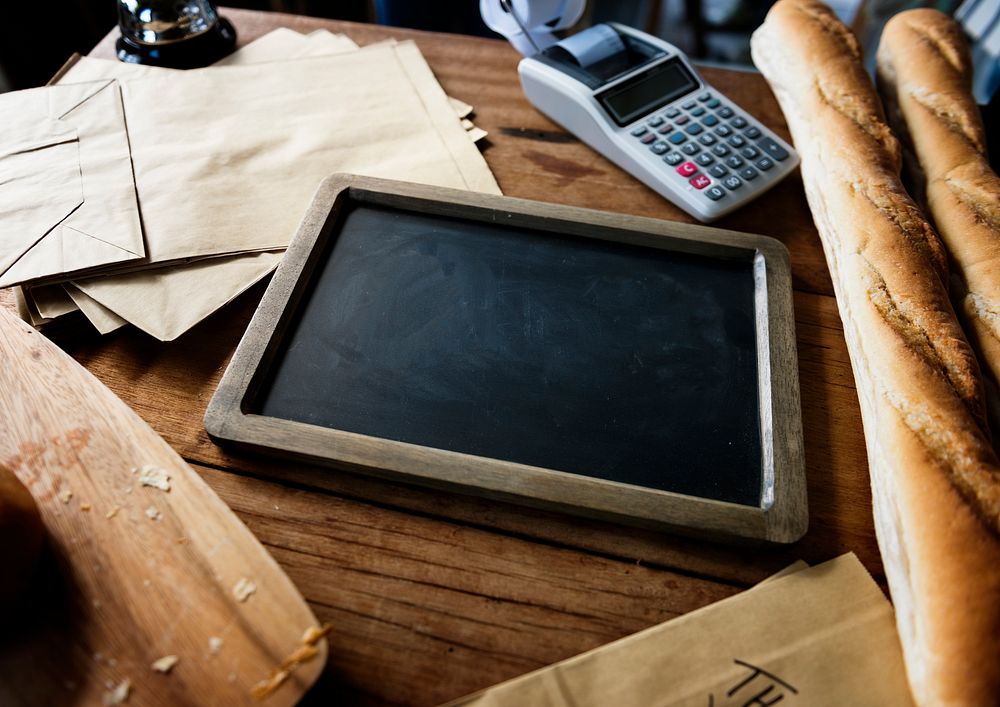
621	362
623	368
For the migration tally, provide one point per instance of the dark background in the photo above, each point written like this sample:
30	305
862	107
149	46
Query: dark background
36	38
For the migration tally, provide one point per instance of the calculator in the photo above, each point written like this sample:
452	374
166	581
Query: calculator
637	100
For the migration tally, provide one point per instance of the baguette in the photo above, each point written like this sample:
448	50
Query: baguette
935	477
925	78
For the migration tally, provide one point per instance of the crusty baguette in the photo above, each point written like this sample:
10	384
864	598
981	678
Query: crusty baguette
935	477
925	78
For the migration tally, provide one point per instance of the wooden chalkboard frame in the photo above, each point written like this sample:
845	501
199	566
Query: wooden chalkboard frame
782	516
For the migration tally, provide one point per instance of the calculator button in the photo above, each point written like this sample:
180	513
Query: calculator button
682	120
659	148
751	153
764	164
698	112
718	170
720	150
647	138
688	105
655	122
699	181
735	162
694	129
736	141
707	139
664	129
773	149
677	138
705	96
732	182
673	158
710	120
723	131
673	113
714	193
691	149
752	133
640	131
688	169
738	122
725	112
704	159
714	103
748	173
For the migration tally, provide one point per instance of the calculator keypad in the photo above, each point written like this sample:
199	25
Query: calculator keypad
731	142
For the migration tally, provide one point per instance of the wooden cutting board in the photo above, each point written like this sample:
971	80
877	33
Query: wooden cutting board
132	572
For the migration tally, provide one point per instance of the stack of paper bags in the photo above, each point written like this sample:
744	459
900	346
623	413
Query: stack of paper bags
154	197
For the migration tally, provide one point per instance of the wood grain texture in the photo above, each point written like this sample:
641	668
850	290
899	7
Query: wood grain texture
133	572
435	594
442	608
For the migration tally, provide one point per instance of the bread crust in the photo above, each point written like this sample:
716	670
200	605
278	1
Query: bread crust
925	76
935	476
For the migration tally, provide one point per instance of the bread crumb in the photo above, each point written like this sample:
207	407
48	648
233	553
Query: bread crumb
152	513
65	496
165	664
118	695
303	654
154	476
243	589
85	507
214	645
265	688
146	583
312	634
231	677
112	513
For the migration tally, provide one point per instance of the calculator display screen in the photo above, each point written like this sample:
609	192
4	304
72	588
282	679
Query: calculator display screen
647	91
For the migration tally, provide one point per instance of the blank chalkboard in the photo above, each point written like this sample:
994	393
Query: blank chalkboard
537	346
621	362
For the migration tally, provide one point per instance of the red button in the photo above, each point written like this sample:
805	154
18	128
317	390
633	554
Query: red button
700	181
687	169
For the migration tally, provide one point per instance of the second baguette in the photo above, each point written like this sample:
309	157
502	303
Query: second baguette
925	77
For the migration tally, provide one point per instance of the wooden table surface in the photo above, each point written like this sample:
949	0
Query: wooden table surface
436	595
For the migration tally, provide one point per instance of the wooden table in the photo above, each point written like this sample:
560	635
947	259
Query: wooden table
436	595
